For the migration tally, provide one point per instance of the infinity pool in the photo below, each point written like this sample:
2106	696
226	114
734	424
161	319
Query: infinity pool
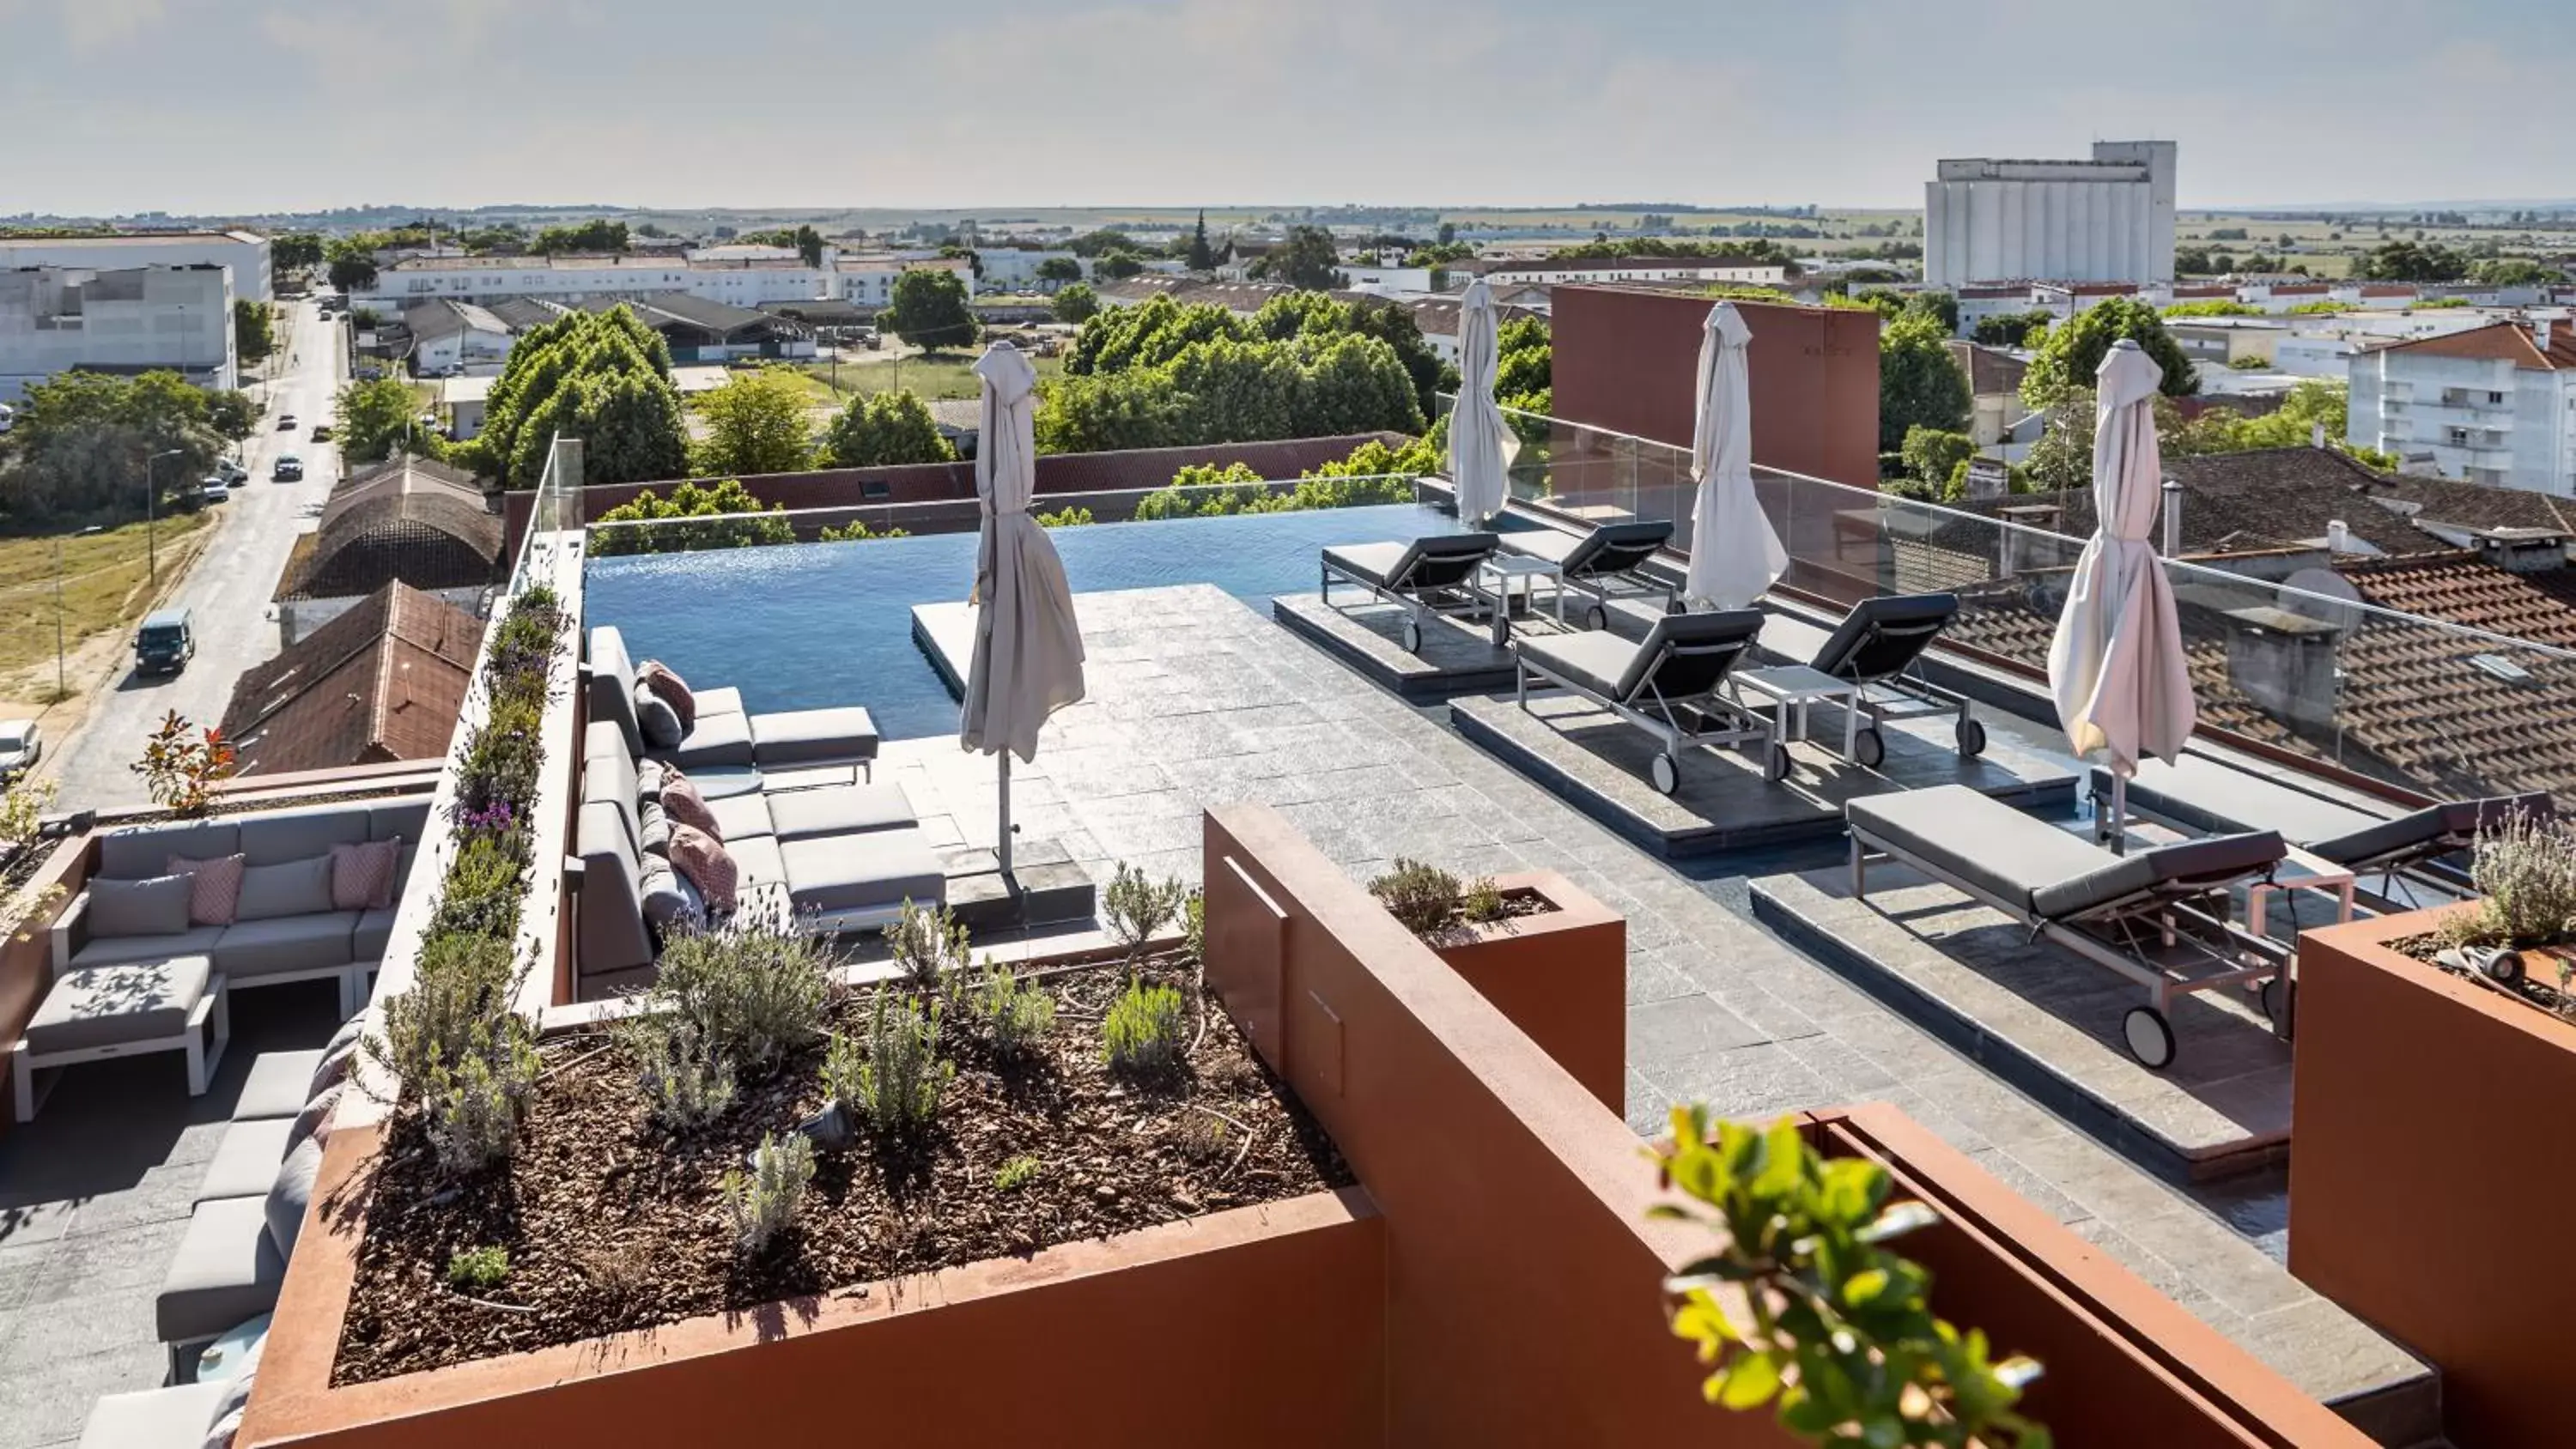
800	626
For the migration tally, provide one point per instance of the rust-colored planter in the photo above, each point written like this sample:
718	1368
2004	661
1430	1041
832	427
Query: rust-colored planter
1258	1326
2433	1154
1561	975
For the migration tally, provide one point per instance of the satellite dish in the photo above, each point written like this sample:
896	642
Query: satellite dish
2325	596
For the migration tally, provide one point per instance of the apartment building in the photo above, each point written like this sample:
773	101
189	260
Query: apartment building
2108	219
2493	404
135	319
736	276
245	252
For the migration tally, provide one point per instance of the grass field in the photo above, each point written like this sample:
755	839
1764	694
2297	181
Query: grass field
933	375
105	587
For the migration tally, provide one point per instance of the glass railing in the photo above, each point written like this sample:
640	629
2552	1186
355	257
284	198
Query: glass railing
2284	651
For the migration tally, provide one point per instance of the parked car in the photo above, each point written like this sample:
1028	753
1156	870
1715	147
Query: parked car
286	422
166	642
289	469
214	490
321	432
22	744
231	471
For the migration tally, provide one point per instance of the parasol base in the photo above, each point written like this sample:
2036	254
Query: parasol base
1045	887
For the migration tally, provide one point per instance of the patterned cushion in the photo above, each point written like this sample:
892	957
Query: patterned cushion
667	686
682	803
362	876
702	859
214	887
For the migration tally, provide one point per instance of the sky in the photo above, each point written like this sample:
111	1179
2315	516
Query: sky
243	106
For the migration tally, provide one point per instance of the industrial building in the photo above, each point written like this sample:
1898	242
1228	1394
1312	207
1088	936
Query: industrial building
245	252
136	319
2109	219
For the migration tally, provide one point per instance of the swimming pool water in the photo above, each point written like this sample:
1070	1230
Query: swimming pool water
802	626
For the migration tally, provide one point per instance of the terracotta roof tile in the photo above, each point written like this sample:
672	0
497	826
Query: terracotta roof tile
383	681
2498	342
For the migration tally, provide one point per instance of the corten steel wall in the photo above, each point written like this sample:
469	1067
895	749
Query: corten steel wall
26	955
933	482
1257	1327
1562	978
1627	359
2433	1163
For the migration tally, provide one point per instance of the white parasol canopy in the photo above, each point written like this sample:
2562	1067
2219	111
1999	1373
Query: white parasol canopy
1481	443
1734	554
2116	664
1028	645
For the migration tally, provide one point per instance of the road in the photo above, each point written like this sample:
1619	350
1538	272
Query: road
228	587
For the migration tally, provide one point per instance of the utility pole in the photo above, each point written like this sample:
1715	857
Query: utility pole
152	514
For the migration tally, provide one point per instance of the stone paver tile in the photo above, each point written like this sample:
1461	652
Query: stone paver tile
45	1401
22	1267
1845	1069
2008	1170
1667	1036
1649	1106
2234	1271
2326	1351
2175	1281
2000	1114
129	1260
35	1222
1651	978
1752	1083
2106	1186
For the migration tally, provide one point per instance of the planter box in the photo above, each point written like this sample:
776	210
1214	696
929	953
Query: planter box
1561	975
2433	1149
1178	1334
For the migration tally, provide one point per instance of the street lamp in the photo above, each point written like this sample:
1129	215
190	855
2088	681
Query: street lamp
60	690
151	514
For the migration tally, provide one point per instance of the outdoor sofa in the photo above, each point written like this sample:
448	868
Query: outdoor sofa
1606	562
184	1416
722	736
1671	684
2113	910
1427	577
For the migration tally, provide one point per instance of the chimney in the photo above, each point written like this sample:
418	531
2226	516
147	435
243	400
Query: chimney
2317	436
2338	536
2285	664
2014	545
2540	333
2522	550
2173	518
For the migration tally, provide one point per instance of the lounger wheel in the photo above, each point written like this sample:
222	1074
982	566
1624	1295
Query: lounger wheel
1668	774
1775	763
1412	637
2275	994
1972	738
1869	747
1596	617
2151	1038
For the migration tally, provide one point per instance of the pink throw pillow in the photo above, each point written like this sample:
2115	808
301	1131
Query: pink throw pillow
214	887
362	876
682	802
702	858
671	689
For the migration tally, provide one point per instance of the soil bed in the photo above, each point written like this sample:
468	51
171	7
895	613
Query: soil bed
2538	990
612	1225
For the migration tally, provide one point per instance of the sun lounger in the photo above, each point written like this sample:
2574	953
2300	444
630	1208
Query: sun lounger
2205	796
1608	562
2107	908
1671	684
1879	647
1428	576
2426	835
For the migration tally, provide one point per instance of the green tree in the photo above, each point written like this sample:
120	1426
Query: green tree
928	308
2062	458
2516	272
1307	259
84	443
1202	257
2073	353
884	429
2009	329
1108	413
2213	307
599	235
1098	243
1118	266
1933	455
352	266
559	376
755	424
1060	271
231	415
1076	303
1919	385
735	519
375	419
2411	261
254	330
1448	233
294	252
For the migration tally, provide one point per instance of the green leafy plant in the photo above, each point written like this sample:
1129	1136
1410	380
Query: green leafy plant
462	985
1137	909
763	1203
1205	1137
1194	926
1141	1036
1015	1015
1066	518
1017	1173
478	1269
859	532
685	1080
1430	902
754	993
928	945
1480	901
844	1072
474	1105
2525	872
726	515
1839	1332
181	771
899	1084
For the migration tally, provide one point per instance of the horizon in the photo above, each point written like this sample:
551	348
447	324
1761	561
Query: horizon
1848	103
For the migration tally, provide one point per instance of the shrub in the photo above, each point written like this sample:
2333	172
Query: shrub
1423	897
2525	872
1480	901
1204	1138
1066	518
1142	1035
1194	926
1017	1173
754	993
485	883
1137	909
686	1082
474	1106
180	772
927	944
461	986
734	518
1840	1335
859	532
900	1082
764	1203
479	1269
1015	1015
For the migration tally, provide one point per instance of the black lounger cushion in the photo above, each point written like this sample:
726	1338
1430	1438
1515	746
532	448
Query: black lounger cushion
1591	661
2433	830
2214	861
1683	677
1615	548
1437	561
1972	840
1843	653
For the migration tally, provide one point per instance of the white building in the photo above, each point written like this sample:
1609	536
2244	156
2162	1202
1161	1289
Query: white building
245	252
1389	281
2495	404
1011	269
2110	219
449	334
752	281
135	319
1558	271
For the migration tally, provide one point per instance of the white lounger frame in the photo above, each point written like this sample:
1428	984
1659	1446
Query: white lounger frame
203	1056
2161	984
1664	724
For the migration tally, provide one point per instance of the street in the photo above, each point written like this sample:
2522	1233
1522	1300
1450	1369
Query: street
229	586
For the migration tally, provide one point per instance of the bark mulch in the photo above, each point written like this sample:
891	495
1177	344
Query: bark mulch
612	1225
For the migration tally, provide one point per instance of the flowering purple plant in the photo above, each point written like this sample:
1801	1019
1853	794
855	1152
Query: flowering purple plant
496	817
